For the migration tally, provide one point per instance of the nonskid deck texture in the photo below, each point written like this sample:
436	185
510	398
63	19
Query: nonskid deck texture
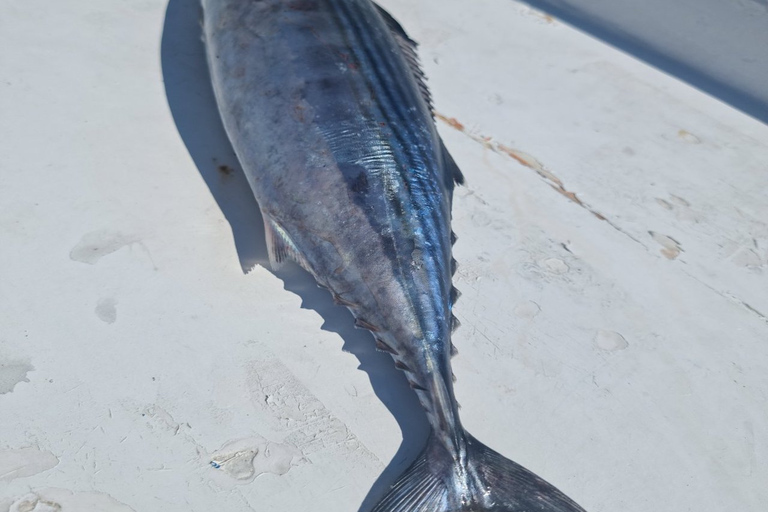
612	247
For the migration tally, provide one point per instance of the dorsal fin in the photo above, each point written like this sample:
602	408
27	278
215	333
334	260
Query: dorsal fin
408	49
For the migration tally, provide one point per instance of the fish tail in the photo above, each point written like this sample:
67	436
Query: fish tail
483	481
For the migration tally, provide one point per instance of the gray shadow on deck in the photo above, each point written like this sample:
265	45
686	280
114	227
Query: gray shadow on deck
192	104
642	45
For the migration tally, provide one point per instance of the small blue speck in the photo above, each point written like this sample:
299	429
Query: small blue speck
215	464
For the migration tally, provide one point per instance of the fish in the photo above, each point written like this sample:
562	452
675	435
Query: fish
327	109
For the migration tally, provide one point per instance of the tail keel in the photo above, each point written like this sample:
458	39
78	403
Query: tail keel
488	483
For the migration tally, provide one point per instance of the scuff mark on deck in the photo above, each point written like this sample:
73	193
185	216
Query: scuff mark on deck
731	298
531	162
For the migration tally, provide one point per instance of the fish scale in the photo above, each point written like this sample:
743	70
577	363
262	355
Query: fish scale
329	115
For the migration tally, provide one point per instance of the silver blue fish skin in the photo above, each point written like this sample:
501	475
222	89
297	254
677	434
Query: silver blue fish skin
325	107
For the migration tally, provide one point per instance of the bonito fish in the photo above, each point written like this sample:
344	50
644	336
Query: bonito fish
327	110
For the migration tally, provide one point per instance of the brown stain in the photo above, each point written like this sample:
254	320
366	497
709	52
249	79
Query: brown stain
450	121
567	193
670	254
523	159
225	170
671	248
688	136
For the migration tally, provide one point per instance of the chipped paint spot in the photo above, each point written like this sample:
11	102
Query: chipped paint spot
747	257
680	207
541	16
671	248
527	309
54	500
610	341
555	266
688	137
245	459
106	310
13	372
161	418
23	462
97	244
679	200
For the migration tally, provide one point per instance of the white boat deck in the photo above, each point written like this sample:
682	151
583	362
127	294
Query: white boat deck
613	249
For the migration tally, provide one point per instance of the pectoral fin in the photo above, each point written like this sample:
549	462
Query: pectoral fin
280	246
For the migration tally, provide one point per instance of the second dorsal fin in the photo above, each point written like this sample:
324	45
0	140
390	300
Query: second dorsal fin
408	49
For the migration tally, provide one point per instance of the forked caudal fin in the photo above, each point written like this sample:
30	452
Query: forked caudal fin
489	482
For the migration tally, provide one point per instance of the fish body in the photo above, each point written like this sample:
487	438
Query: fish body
327	111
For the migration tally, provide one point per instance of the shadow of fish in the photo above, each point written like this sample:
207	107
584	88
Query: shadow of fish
326	108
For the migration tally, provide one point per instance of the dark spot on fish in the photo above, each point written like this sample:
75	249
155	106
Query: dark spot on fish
326	84
360	184
303	5
388	245
298	113
350	62
225	170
